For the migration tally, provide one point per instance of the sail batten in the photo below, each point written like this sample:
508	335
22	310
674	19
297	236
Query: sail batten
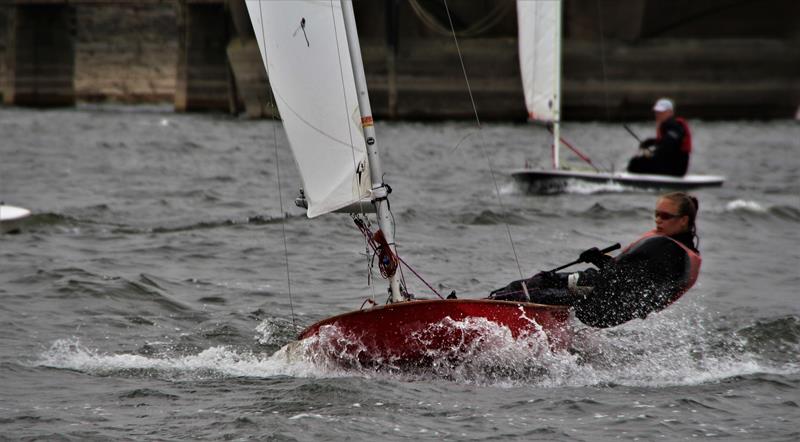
304	50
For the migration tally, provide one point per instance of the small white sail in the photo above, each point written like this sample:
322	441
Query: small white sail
539	28
304	49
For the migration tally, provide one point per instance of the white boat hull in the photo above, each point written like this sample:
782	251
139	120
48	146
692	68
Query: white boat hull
553	181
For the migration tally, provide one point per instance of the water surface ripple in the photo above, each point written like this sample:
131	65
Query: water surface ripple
147	297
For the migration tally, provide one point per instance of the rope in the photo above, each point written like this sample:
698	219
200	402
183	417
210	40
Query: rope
280	190
420	277
387	261
482	143
574	149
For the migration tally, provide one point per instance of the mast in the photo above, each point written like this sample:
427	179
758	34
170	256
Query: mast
557	95
380	196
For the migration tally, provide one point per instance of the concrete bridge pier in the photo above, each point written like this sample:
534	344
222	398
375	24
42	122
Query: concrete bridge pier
40	57
204	80
252	85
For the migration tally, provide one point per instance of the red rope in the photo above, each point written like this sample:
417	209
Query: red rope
387	260
420	277
580	154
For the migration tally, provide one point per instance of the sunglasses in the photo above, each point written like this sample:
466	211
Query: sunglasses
666	216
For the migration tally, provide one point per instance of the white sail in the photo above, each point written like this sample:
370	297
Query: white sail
304	49
539	27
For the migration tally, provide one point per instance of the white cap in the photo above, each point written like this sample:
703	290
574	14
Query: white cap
662	105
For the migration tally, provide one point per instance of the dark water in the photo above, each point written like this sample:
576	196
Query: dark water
148	296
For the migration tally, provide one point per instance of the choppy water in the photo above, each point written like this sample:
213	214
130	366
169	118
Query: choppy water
148	299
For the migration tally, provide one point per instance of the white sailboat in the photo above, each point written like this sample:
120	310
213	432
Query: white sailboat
11	217
540	39
312	55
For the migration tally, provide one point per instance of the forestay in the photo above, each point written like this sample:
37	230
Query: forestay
539	24
304	49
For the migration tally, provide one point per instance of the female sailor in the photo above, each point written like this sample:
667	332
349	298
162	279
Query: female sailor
649	275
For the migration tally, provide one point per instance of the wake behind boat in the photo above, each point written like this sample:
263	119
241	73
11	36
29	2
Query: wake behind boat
313	59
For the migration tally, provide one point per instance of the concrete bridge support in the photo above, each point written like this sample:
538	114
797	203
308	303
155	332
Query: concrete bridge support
40	57
717	58
252	85
204	81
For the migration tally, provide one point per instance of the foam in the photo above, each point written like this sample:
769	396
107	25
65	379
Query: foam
583	188
745	205
211	363
669	349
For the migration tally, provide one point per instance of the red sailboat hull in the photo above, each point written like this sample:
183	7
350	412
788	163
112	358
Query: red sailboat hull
418	332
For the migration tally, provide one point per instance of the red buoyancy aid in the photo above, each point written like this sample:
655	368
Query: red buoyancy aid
693	270
686	144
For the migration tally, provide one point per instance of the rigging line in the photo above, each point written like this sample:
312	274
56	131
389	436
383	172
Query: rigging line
464	138
419	277
482	143
397	253
365	230
278	173
350	134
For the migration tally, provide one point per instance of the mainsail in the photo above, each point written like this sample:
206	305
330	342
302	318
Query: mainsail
539	24
313	58
304	48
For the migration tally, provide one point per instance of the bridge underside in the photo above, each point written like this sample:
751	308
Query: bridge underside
40	56
717	58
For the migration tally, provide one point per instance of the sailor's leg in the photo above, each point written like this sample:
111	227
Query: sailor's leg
639	164
511	292
552	296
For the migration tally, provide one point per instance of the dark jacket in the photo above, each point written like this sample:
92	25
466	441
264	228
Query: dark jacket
670	150
644	279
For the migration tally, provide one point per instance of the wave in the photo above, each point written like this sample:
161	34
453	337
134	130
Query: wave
141	393
673	352
47	219
747	208
583	188
489	217
775	339
114	293
212	363
665	350
43	221
599	211
205	225
275	331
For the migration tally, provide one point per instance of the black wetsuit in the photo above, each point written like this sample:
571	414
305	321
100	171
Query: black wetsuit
644	279
670	155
